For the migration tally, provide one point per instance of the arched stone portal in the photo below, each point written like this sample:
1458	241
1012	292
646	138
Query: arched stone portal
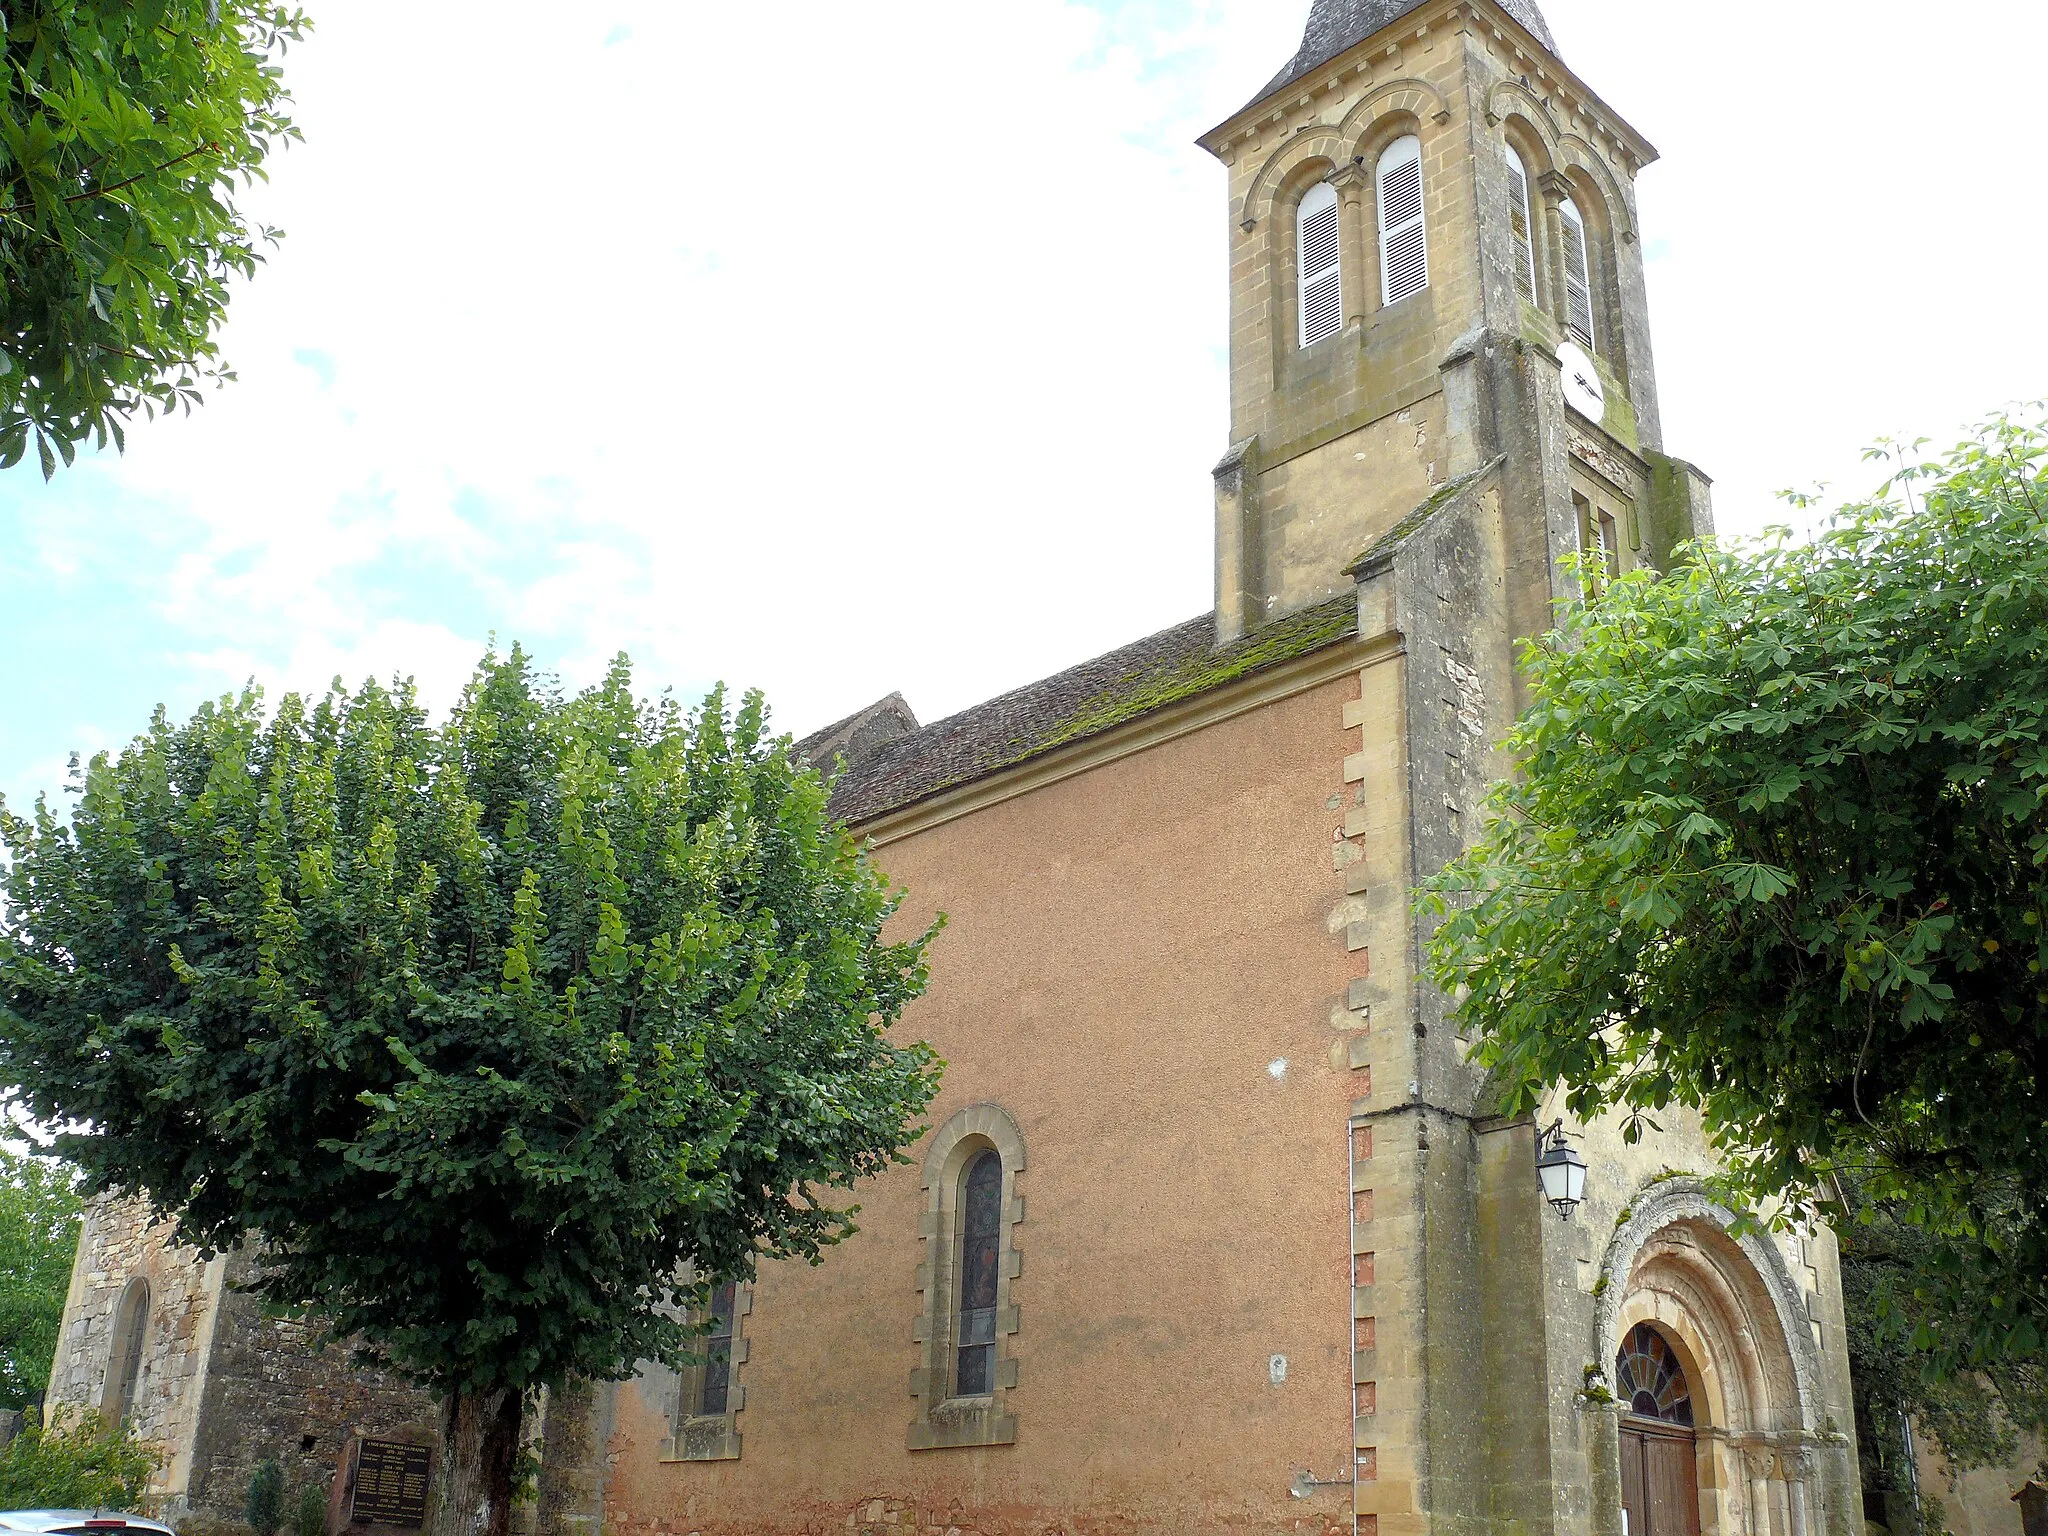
1735	1325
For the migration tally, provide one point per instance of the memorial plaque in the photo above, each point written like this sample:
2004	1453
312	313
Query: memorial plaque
391	1484
2033	1503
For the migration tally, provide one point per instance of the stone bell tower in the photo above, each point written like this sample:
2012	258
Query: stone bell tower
1443	399
1434	264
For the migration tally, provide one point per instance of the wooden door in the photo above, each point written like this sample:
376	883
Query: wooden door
1660	1494
1635	1506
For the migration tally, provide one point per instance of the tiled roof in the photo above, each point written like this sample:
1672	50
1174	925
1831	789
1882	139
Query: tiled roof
861	734
1335	25
1071	706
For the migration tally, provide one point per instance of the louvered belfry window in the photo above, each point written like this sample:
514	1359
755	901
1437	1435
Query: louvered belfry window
1404	244
1578	277
1523	228
1320	266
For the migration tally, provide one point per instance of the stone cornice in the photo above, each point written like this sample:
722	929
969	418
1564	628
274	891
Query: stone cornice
1549	76
1498	30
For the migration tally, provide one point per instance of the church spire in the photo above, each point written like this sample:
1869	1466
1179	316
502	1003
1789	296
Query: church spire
1335	25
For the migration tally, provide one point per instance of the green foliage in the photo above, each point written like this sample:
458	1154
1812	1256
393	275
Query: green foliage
75	1464
1978	1416
39	1221
264	1508
126	128
1780	851
309	1514
490	1030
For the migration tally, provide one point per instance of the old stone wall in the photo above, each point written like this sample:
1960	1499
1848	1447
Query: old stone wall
118	1245
222	1386
1325	504
1484	1324
570	1493
276	1390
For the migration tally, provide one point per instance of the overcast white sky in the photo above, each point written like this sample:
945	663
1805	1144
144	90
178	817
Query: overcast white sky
840	348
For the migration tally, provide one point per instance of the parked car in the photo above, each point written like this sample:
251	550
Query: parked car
80	1522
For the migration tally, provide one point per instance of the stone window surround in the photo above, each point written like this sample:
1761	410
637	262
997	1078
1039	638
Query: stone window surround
1320	156
127	1350
943	1421
1559	171
712	1437
1600	495
1348	159
1553	190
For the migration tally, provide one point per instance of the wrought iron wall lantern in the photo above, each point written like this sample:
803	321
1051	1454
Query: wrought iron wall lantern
1561	1171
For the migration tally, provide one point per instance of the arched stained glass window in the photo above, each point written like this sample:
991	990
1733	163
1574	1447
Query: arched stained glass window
980	1251
709	1395
717	1389
1648	1379
967	1365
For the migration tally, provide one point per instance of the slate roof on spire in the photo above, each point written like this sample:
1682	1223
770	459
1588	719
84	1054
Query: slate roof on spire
1335	25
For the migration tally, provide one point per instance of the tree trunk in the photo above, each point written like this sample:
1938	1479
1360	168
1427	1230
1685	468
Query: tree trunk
483	1448
571	1491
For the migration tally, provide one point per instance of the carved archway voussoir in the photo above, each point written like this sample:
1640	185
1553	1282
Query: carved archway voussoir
1415	97
1702	1337
1511	98
1311	141
1573	152
990	1123
1418	98
1652	1260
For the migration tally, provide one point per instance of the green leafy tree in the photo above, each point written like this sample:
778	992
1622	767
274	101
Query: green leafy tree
1976	1416
264	1508
39	1220
76	1463
309	1515
127	128
510	1039
1779	850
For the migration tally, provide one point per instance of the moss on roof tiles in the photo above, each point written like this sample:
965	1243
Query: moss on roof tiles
1146	689
1402	531
1071	706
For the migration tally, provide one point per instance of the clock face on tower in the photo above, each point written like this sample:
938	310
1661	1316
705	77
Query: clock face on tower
1583	391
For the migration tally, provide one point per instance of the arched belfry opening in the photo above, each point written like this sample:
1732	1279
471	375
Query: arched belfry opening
1709	1353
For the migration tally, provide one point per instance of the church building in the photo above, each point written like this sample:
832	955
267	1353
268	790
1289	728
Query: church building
1216	1229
